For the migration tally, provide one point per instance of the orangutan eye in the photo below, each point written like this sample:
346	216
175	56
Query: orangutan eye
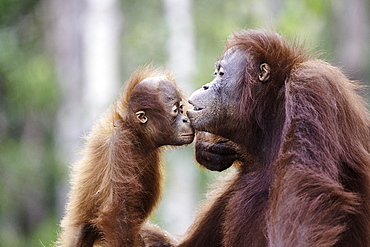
181	108
175	111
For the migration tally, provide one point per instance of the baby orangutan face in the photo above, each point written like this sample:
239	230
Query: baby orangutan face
165	119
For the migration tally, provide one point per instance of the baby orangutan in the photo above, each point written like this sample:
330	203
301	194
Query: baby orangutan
116	184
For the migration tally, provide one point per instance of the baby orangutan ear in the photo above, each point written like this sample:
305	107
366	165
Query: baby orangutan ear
265	72
140	115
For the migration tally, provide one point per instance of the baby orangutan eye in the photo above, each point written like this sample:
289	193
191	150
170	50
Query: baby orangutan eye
174	111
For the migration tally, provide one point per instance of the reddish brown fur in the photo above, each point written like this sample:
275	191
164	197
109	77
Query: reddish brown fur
117	183
305	136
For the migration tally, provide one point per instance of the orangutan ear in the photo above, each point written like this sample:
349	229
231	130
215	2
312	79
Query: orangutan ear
265	72
140	115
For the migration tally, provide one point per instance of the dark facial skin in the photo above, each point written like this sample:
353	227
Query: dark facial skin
216	104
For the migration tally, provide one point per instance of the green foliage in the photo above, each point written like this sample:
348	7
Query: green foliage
28	103
30	83
10	10
144	34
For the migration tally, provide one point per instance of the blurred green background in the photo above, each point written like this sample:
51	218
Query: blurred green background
62	63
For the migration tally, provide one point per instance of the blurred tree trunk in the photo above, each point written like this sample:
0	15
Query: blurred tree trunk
102	31
353	34
65	39
84	35
179	201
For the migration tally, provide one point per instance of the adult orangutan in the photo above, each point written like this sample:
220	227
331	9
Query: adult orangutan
303	135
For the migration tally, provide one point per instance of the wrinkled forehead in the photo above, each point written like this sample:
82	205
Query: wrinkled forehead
168	92
165	89
233	60
230	52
